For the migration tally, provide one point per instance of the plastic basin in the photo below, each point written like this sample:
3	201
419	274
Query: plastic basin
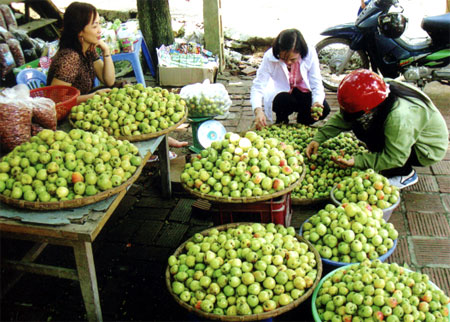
333	264
387	212
315	313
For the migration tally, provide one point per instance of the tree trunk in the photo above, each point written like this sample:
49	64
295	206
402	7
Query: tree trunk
156	25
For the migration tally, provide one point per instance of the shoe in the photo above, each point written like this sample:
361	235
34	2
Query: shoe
404	181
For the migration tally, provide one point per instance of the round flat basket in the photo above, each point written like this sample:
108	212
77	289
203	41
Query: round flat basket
315	313
148	136
332	264
65	97
387	212
252	317
245	199
74	203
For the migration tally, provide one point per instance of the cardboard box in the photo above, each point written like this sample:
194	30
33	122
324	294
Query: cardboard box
180	76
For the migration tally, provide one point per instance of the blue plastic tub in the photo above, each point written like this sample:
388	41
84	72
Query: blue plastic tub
332	264
315	313
386	212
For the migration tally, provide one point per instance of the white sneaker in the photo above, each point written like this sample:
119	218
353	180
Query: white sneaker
404	181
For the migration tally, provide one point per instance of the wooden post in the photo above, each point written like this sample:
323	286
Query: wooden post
212	20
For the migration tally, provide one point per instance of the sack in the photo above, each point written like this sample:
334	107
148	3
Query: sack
7	62
16	50
8	15
2	21
44	112
15	117
205	99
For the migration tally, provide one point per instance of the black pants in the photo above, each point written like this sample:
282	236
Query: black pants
405	169
284	104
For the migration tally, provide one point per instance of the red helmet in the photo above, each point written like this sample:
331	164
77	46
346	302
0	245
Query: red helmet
361	90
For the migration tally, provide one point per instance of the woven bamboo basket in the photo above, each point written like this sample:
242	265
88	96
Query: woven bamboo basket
148	136
245	199
252	317
307	202
74	203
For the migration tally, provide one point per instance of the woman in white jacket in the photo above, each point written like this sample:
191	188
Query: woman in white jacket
288	81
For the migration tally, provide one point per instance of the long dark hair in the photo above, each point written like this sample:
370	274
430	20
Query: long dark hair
287	40
77	16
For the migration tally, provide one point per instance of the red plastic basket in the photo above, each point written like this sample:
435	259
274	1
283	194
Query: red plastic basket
65	97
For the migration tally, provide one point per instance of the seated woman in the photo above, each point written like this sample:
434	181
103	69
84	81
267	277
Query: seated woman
77	63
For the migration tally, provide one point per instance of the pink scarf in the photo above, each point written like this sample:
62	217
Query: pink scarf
296	79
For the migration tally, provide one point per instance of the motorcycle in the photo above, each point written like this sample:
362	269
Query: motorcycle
366	44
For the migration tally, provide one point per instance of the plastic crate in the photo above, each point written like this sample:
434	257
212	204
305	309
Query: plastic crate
278	211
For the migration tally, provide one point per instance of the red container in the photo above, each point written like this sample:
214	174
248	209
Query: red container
65	97
278	211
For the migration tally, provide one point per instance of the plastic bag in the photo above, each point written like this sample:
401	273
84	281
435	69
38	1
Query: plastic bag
2	21
128	34
44	112
15	117
5	34
7	62
16	50
110	38
23	38
8	15
205	99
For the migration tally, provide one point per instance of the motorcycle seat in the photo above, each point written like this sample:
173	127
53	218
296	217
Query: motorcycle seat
438	27
414	44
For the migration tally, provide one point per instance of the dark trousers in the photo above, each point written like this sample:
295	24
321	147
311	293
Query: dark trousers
284	104
405	169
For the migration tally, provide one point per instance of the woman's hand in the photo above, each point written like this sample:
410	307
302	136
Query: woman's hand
260	118
312	148
343	163
317	115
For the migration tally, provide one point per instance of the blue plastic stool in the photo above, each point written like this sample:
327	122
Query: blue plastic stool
32	78
133	58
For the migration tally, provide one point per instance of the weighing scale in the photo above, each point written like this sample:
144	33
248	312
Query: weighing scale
204	132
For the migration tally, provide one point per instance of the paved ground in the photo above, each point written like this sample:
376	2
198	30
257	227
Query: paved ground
132	250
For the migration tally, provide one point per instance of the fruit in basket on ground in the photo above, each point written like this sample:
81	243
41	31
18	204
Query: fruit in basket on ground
243	169
380	291
322	174
367	186
350	233
132	110
56	166
242	270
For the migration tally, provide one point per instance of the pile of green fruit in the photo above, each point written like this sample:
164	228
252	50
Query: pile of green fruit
247	269
204	105
243	167
55	166
350	233
129	111
322	174
367	186
375	291
205	99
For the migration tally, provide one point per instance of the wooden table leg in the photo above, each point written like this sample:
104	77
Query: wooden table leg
164	163
88	280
